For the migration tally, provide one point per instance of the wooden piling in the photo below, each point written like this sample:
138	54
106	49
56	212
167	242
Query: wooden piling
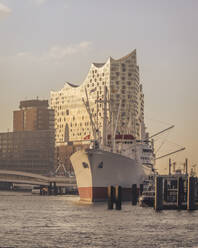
186	166
55	189
41	190
134	195
165	190
118	197
141	189
60	191
110	191
180	192
191	194
50	188
158	193
169	167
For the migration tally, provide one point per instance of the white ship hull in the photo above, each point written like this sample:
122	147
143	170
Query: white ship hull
96	169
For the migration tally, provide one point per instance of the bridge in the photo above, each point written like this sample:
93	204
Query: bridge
21	177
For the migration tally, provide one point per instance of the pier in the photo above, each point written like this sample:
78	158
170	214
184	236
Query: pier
176	192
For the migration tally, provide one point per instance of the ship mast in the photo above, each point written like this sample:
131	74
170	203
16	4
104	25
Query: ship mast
87	106
104	137
116	125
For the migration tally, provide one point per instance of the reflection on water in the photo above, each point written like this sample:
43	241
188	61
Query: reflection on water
61	221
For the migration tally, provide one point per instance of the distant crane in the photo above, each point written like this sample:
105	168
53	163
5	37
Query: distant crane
168	154
172	126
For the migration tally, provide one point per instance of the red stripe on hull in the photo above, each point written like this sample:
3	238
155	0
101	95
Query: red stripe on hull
95	194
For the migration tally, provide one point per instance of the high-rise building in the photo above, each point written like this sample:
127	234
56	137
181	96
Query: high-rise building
120	80
31	146
33	115
29	151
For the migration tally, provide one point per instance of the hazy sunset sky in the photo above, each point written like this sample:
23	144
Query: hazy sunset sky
44	43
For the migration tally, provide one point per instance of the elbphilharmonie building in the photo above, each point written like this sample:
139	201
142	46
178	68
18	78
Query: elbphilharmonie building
118	82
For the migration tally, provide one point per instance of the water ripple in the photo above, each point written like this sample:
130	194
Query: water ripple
28	221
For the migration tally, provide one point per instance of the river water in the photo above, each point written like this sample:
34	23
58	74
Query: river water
61	221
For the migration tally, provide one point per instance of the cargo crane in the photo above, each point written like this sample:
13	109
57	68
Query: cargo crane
168	154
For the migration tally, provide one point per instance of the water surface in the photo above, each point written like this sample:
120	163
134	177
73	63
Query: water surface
61	221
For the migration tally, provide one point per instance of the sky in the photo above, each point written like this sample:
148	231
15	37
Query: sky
44	43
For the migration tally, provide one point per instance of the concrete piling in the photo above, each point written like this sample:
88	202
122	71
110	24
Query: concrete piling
110	192
158	193
118	197
191	194
134	195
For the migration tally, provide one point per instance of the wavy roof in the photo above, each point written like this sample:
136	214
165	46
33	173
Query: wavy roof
100	65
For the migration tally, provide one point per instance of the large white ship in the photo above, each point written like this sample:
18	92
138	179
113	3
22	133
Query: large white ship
110	160
96	169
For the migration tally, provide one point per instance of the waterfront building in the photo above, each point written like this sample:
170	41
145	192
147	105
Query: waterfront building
31	145
28	151
33	115
120	78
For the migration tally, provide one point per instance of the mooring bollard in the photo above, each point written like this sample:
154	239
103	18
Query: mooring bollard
165	190
110	191
180	192
191	194
158	193
134	195
118	197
